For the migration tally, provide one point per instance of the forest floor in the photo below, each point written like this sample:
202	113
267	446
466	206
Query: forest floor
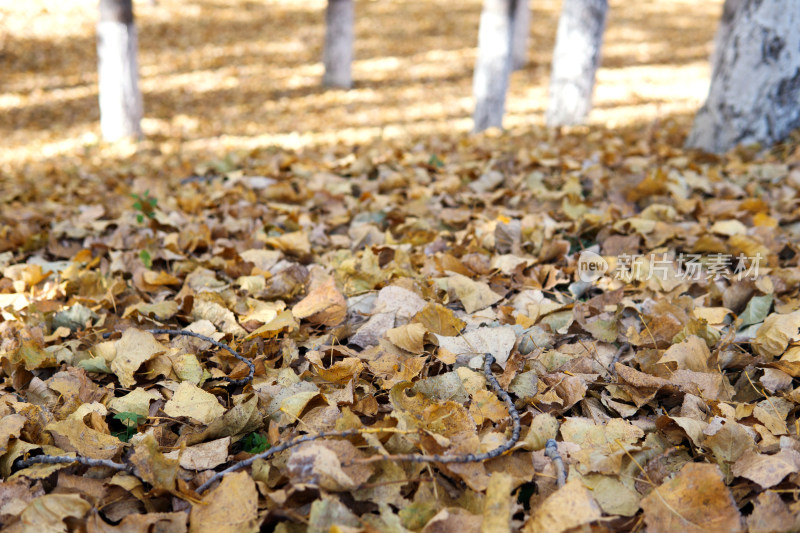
363	251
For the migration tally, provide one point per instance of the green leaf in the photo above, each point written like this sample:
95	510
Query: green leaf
255	443
144	255
127	416
130	421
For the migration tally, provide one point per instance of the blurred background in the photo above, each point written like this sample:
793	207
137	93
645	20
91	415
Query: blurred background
236	74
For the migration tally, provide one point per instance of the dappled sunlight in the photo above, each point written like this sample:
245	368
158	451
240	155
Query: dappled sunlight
239	75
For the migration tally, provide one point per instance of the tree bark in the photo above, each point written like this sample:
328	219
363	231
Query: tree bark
575	61
754	96
493	67
118	72
522	28
729	10
338	52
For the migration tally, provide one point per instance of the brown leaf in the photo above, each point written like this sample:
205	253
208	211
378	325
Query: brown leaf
140	523
409	337
771	515
640	386
691	354
324	305
132	349
695	500
775	334
153	467
232	507
767	470
570	506
47	513
473	295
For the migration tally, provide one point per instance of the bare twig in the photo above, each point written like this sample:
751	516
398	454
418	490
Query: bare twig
237	355
273	451
551	451
471	457
65	459
624	347
412	457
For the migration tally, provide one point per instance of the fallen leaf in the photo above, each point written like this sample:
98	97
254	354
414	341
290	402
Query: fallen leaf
473	295
193	402
46	514
570	506
132	349
696	499
215	512
767	470
324	305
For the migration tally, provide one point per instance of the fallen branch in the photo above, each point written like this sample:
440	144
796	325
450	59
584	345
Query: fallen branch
65	459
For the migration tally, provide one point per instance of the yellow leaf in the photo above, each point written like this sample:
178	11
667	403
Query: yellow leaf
193	402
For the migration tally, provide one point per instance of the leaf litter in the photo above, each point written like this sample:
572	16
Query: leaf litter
360	287
408	360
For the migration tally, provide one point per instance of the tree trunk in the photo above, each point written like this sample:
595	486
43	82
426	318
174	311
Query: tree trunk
493	67
522	28
118	73
754	95
575	61
729	10
338	53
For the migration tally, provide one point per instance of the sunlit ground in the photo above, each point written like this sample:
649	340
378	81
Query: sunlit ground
234	74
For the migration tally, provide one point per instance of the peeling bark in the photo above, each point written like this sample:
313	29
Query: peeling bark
575	61
338	53
118	72
493	67
754	95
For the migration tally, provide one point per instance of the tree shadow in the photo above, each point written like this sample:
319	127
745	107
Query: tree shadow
246	68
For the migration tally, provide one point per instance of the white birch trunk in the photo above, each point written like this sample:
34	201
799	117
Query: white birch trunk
729	10
754	95
575	61
118	72
337	55
522	28
493	67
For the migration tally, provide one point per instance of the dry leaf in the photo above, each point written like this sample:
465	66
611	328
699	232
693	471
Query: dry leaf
767	470
232	507
696	499
324	305
132	349
193	402
570	506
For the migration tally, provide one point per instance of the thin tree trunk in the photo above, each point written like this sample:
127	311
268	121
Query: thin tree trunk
754	96
575	61
338	53
118	72
522	28
493	68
